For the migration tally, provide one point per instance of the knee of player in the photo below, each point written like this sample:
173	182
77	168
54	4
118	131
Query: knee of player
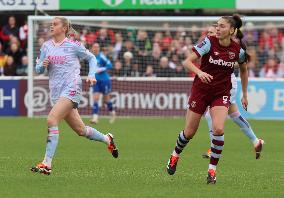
189	133
218	130
51	121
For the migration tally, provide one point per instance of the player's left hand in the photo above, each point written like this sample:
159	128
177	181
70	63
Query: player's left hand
91	80
205	77
244	101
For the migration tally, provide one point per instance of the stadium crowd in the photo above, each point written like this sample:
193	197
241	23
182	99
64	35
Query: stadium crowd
138	52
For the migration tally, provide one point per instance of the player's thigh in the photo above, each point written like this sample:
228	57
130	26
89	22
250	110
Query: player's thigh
192	123
75	121
233	108
97	90
96	96
106	87
106	97
219	115
61	108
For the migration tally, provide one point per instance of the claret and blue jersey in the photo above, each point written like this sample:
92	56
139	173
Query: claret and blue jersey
218	61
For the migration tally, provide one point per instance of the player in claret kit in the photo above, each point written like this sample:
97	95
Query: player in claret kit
211	87
234	114
60	56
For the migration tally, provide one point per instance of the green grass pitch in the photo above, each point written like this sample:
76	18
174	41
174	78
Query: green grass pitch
83	168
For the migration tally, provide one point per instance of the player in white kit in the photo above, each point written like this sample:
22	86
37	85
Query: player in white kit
61	57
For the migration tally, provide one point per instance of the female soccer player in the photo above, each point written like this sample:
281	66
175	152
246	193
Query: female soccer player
234	114
211	87
103	85
60	56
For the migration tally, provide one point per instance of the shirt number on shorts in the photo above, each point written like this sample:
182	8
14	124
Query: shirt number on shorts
225	99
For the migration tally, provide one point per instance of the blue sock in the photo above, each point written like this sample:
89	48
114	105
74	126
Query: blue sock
93	134
95	108
109	106
52	141
209	123
244	125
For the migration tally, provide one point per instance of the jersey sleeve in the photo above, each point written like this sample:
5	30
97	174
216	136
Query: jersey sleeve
107	63
85	54
242	56
39	68
82	52
202	48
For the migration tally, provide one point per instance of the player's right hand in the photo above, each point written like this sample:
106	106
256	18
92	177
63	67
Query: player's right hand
45	63
91	81
204	77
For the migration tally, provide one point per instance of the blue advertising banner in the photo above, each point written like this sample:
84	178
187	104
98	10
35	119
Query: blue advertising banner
9	97
12	95
266	99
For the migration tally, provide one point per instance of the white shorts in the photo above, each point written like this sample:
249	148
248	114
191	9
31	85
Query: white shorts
72	93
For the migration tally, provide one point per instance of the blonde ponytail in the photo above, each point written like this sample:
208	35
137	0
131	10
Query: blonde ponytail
70	31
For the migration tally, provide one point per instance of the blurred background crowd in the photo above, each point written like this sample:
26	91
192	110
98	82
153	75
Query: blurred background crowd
138	52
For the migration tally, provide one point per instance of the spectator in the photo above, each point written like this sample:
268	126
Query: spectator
23	35
16	53
155	57
103	38
281	69
40	41
270	37
174	61
10	67
117	46
108	33
89	37
22	69
253	65
117	69
128	47
271	69
149	71
130	34
127	63
262	55
180	33
180	71
135	70
158	38
10	29
194	34
164	70
250	35
3	60
166	39
144	46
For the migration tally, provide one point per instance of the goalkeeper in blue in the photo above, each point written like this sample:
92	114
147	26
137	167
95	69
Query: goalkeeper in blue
60	56
235	115
103	85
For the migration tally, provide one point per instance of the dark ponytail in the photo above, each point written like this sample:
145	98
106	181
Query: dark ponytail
237	23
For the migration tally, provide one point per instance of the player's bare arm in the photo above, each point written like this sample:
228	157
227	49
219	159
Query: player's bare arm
204	77
244	81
